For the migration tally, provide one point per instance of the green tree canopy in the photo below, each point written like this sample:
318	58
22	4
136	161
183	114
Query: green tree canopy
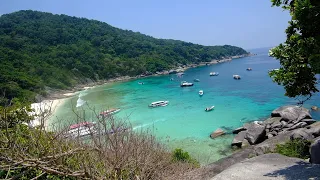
40	49
299	55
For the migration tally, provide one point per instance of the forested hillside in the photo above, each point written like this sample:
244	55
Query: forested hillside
40	49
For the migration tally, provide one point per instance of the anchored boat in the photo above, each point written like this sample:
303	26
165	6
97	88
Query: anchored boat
201	92
209	108
236	77
81	129
159	103
109	112
214	74
185	84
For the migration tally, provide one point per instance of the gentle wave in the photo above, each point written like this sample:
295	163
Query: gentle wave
148	124
80	101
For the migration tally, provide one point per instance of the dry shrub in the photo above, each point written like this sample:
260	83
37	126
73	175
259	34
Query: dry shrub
114	151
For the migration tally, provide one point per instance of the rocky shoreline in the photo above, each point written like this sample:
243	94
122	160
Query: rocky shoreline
54	94
295	120
261	137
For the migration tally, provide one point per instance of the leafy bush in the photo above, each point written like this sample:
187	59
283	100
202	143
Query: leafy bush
27	153
295	148
179	155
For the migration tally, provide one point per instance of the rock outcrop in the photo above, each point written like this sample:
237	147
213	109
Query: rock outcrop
217	133
239	139
314	129
291	113
287	119
301	133
236	131
314	108
309	121
268	167
256	133
315	152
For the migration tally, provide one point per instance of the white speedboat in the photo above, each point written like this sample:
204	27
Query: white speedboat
185	84
236	77
159	103
196	80
109	112
249	69
201	92
141	83
214	74
209	108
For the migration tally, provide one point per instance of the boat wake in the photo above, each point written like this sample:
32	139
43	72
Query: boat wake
80	101
148	124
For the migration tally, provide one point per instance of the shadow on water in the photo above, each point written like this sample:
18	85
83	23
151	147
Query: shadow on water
227	129
301	170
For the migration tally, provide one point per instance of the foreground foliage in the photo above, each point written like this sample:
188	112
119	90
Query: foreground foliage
300	54
180	155
40	49
27	153
295	148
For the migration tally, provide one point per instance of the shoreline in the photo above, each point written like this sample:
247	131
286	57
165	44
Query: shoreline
44	110
57	97
56	94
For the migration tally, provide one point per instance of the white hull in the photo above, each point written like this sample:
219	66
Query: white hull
109	112
159	104
214	74
209	108
236	77
185	84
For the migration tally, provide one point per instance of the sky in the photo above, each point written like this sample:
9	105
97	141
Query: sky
246	23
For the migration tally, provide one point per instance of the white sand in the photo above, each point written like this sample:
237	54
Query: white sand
70	94
88	87
44	110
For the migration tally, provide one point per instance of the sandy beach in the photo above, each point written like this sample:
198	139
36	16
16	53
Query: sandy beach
44	110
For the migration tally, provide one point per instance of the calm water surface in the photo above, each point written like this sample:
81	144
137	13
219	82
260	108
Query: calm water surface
184	123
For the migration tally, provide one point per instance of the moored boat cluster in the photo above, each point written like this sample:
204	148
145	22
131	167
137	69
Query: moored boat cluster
90	128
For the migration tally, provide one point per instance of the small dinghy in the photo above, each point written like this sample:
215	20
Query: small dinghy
196	80
214	74
201	92
236	77
185	84
209	108
141	83
249	69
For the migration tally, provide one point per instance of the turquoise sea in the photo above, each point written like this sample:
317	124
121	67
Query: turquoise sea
184	123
